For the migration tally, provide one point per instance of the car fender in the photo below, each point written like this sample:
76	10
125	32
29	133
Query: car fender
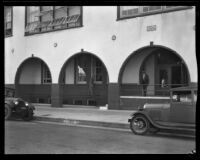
146	116
9	103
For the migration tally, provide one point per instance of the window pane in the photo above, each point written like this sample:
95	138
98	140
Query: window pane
151	8
182	96
46	74
8	16
98	70
195	96
81	74
8	20
82	68
127	11
32	14
60	11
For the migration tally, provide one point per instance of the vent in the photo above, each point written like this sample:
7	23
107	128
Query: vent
78	102
91	102
40	100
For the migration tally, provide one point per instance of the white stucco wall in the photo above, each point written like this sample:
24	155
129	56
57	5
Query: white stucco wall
174	30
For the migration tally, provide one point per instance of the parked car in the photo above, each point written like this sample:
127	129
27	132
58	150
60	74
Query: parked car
176	116
17	107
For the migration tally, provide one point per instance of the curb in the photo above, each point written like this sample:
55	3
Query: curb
83	122
75	122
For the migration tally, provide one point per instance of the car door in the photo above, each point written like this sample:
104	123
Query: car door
182	108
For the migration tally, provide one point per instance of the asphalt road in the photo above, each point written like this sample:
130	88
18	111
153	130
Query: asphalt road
45	138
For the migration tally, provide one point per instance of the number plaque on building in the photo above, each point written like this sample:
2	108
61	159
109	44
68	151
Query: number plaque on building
151	28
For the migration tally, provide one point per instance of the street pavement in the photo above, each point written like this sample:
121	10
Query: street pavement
37	137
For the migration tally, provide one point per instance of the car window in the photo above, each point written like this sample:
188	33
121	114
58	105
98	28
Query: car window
182	96
195	96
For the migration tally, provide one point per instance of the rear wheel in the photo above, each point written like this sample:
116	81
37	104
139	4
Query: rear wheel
139	125
28	116
7	111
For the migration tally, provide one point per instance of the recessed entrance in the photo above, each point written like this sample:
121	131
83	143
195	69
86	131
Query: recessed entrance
84	80
164	67
33	81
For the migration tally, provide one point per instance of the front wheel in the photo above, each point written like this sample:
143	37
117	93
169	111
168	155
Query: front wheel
139	125
28	116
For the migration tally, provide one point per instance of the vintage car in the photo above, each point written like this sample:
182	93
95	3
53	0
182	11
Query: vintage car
17	107
178	116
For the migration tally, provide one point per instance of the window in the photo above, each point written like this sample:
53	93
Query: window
81	69
134	11
182	96
46	75
49	18
195	96
8	21
98	71
32	19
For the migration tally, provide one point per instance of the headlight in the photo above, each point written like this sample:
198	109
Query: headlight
26	103
16	102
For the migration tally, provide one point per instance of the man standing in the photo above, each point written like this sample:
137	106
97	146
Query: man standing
144	81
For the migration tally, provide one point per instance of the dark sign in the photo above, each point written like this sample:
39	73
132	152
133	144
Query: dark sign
151	28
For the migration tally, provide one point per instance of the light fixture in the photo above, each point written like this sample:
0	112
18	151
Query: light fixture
114	37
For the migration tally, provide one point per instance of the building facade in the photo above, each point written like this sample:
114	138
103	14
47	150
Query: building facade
95	55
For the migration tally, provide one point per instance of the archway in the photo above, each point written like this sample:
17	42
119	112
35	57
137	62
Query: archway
33	81
84	80
159	63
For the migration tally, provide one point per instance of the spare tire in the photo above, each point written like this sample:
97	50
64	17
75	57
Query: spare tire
7	112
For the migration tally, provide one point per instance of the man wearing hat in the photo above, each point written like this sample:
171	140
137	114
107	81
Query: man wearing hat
144	80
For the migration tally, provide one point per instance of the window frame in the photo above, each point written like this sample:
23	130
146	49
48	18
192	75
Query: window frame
76	79
44	78
11	34
163	10
95	67
53	29
182	94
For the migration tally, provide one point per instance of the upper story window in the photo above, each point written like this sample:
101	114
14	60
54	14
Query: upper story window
49	18
135	11
8	18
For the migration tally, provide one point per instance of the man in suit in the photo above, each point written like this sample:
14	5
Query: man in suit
144	80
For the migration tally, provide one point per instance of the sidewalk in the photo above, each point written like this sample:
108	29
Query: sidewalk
83	115
87	116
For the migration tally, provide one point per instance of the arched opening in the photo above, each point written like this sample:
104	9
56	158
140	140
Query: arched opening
33	81
84	80
164	67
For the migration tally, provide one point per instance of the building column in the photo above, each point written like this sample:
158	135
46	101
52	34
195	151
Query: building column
56	95
113	96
